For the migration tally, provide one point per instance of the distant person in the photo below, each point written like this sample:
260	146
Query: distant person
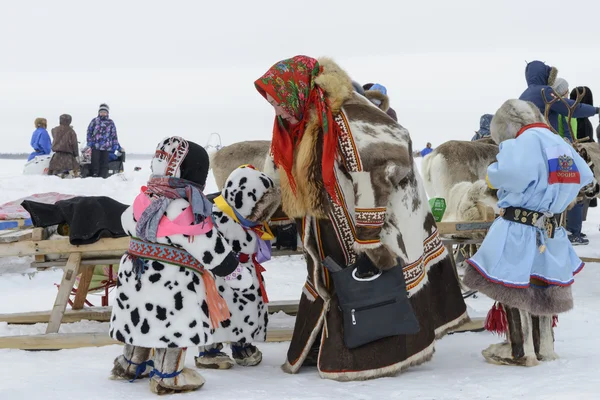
377	94
40	139
428	149
116	152
583	127
64	161
484	127
101	137
541	76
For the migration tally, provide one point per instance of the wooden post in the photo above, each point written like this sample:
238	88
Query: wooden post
37	235
84	284
60	304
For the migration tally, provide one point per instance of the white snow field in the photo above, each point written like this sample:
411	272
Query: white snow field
457	371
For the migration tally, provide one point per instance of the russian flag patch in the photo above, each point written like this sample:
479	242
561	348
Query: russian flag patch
561	166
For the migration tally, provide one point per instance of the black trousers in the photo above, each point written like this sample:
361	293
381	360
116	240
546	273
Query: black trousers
99	163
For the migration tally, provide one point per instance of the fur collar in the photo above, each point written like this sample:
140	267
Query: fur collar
311	196
377	95
552	76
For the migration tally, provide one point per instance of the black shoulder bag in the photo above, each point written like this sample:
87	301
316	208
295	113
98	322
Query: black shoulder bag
373	307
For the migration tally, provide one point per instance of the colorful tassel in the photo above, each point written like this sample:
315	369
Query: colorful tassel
554	321
496	321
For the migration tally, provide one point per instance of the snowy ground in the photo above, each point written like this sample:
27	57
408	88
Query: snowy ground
457	370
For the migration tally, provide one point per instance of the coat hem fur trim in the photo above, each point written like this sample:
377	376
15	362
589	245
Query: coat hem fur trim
538	301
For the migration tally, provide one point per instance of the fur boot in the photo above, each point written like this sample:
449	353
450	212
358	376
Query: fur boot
519	348
246	355
134	363
170	375
543	338
211	357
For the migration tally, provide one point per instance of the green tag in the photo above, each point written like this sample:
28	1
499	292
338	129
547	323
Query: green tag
438	207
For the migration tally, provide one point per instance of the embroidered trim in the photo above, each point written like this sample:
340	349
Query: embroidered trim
343	226
166	253
414	273
350	154
372	217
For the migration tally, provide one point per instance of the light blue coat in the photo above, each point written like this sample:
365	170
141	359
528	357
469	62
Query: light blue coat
537	171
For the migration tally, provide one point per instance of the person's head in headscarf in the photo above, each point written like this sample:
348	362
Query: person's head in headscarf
290	87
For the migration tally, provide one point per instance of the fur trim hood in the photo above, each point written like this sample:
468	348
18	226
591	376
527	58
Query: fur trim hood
384	100
538	73
40	123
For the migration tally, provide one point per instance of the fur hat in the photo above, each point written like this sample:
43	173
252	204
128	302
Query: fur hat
104	107
511	117
561	86
65	119
41	123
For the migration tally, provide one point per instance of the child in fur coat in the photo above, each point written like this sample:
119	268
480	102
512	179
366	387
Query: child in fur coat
526	262
249	198
167	298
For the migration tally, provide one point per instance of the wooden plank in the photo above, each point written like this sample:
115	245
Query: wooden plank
87	272
62	262
58	341
100	314
14	223
62	297
446	228
590	259
15	235
38	234
106	246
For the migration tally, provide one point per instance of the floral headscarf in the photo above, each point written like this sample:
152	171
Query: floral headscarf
291	83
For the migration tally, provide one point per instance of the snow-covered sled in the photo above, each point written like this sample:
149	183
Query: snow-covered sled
38	165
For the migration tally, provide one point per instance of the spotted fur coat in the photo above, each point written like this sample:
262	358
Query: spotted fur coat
166	305
254	196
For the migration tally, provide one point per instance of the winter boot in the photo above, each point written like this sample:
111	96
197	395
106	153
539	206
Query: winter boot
246	354
135	363
519	349
212	357
543	338
169	374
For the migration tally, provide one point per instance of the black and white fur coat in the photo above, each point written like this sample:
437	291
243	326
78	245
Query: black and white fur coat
253	196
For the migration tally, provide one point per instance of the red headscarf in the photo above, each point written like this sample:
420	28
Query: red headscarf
291	83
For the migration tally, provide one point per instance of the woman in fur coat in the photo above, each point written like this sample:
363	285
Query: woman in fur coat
247	201
526	262
64	146
346	174
167	299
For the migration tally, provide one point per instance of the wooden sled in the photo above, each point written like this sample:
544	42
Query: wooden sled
81	260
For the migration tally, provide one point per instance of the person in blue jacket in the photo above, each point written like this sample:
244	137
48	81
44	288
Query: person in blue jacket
484	127
428	149
526	262
541	76
40	140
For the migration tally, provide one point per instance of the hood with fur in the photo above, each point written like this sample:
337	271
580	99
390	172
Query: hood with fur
538	73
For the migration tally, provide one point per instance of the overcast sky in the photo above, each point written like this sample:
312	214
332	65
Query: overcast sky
187	67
